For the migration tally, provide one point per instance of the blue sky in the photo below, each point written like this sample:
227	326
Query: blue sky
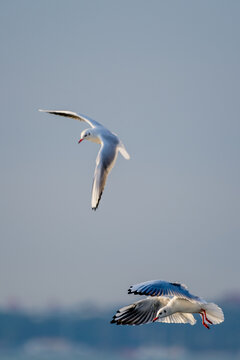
163	75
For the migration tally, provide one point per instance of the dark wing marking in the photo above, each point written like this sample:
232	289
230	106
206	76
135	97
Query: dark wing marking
140	312
73	115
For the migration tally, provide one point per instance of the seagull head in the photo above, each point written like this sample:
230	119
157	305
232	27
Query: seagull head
85	135
89	134
163	312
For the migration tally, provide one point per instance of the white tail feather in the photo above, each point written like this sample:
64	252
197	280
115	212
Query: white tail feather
214	313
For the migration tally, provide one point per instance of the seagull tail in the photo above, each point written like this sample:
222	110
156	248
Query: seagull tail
214	313
123	151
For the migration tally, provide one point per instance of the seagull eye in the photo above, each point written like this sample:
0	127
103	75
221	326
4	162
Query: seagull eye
164	311
160	313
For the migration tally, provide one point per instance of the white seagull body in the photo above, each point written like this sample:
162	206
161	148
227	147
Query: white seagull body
110	146
167	303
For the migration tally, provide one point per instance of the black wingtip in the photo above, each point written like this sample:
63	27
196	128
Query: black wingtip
100	196
130	290
134	292
114	321
95	207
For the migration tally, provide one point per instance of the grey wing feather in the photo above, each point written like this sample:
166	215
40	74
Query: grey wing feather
162	288
140	312
104	163
73	115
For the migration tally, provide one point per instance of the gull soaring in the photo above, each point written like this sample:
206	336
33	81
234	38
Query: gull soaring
167	303
110	146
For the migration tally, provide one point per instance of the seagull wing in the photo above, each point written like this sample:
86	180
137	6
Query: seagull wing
162	288
73	115
104	163
178	317
140	312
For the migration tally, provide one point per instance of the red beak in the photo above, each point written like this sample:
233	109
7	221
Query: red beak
80	141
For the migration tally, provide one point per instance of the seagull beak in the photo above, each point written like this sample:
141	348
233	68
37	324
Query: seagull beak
80	141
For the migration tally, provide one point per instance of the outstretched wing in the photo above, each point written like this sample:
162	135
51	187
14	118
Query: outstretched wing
162	288
73	115
178	317
104	163
140	312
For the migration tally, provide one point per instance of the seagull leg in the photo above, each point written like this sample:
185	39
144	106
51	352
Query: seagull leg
203	322
206	319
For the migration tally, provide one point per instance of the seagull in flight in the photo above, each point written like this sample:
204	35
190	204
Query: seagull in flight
167	302
106	158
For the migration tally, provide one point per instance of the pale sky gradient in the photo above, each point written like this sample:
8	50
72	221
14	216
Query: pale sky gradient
163	75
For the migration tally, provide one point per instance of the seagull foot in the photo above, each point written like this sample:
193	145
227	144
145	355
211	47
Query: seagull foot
209	321
206	326
203	313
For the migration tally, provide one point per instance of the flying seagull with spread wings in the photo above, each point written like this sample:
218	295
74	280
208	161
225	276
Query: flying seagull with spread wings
167	303
110	146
